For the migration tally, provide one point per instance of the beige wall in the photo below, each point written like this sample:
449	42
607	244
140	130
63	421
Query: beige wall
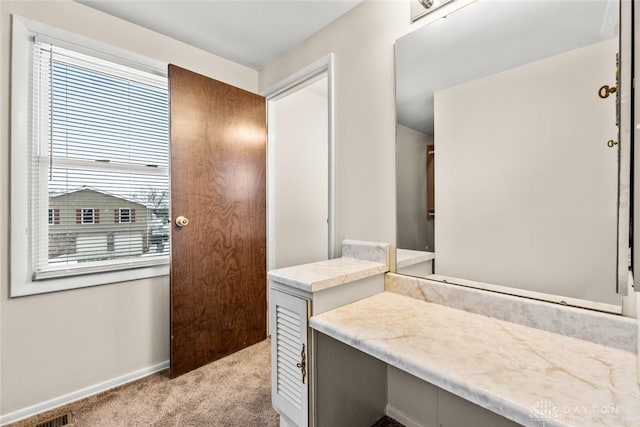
58	343
363	43
526	198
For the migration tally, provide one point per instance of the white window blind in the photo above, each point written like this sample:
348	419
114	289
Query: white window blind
99	165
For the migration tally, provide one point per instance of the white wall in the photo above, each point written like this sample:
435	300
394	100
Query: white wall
363	42
55	344
525	198
298	187
415	231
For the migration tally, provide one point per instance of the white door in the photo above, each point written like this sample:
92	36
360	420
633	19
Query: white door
298	175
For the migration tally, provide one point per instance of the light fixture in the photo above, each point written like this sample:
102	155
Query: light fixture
426	3
420	8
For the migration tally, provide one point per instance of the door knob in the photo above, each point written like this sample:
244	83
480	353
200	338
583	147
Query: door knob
181	221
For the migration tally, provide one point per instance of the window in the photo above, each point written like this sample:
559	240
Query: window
98	142
125	216
88	216
111	242
54	216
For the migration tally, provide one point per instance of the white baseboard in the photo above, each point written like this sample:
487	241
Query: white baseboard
81	394
401	417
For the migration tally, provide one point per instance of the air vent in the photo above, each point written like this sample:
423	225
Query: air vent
58	421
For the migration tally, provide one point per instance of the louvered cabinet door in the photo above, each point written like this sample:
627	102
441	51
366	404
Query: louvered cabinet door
289	357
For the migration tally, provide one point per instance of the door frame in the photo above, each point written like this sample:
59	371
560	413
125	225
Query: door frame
325	66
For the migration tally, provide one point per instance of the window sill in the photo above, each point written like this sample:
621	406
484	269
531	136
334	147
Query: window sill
21	288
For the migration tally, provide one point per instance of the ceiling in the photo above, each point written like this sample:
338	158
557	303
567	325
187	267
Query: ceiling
249	32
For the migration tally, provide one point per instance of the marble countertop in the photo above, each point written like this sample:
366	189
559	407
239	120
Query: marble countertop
530	376
321	275
407	257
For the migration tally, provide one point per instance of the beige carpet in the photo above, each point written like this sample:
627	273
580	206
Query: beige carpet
234	391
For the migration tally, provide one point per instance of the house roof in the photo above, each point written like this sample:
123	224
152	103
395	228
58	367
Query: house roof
106	193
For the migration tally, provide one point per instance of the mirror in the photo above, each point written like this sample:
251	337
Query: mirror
508	150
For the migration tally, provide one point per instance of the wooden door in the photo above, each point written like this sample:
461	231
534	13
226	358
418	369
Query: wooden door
218	182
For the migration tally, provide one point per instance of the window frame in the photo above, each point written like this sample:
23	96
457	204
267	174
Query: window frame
120	221
86	214
23	238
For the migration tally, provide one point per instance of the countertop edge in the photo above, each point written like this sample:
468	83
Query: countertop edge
514	412
494	400
369	269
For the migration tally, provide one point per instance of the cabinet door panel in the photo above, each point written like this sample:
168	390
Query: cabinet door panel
290	376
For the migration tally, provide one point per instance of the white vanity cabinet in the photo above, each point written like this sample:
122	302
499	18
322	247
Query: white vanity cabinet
296	294
448	367
289	320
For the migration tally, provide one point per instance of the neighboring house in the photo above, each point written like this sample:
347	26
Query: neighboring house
86	224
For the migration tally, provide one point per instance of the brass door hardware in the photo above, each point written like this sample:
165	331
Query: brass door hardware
611	143
181	221
302	364
605	91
